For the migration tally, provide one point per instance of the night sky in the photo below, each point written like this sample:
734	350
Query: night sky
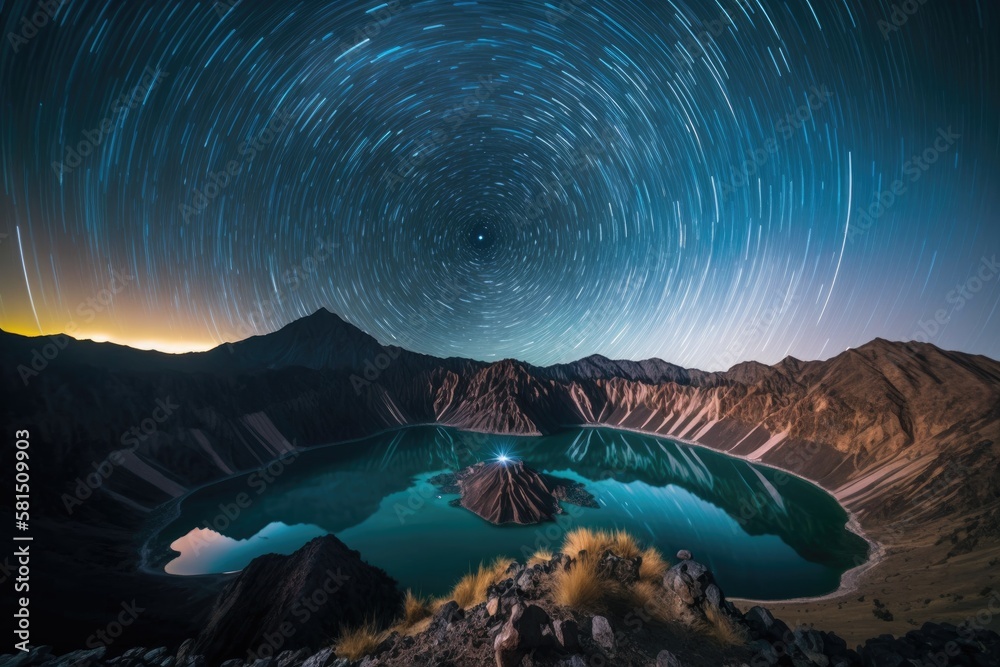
505	178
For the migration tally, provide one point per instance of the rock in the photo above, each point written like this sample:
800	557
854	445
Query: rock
684	554
34	656
169	661
713	595
760	620
527	580
262	662
567	634
448	614
667	659
573	661
616	568
602	633
765	652
139	651
559	562
523	632
155	654
185	650
235	662
493	606
292	658
89	658
811	644
321	659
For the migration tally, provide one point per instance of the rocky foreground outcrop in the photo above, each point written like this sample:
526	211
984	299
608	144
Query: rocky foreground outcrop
295	602
519	625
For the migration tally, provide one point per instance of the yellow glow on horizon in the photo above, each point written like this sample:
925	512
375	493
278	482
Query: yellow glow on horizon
139	343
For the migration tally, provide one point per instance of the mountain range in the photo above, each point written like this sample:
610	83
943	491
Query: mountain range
902	434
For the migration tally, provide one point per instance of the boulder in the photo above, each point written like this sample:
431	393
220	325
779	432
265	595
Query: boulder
524	631
602	634
667	659
694	591
443	620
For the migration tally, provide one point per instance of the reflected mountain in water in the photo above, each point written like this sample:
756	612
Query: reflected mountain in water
378	490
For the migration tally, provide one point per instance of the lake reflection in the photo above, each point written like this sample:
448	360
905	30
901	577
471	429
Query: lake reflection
766	534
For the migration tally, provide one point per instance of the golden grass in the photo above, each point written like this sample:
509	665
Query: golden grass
415	609
580	587
540	557
596	542
356	643
724	629
650	600
471	589
653	566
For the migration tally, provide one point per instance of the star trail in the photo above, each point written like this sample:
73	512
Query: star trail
703	182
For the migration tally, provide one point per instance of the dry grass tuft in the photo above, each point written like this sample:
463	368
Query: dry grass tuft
724	629
581	588
653	566
650	600
540	557
356	643
471	589
415	609
596	542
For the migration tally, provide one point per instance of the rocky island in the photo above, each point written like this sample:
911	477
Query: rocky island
508	491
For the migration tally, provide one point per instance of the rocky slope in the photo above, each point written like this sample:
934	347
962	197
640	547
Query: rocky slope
293	602
682	620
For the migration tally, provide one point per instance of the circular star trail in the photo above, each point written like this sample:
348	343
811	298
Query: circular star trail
703	182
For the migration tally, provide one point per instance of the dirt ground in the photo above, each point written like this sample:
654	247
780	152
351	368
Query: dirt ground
920	578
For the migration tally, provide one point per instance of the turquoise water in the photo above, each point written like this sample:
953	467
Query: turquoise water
766	534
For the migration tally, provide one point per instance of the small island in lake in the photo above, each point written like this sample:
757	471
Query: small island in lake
508	491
